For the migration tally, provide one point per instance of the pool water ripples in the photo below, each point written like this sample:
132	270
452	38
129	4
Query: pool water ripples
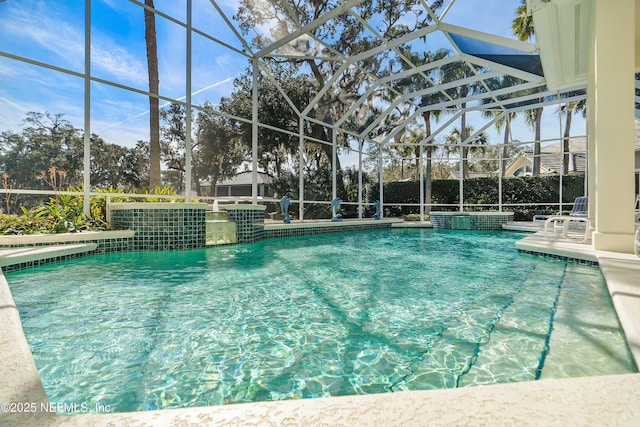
330	315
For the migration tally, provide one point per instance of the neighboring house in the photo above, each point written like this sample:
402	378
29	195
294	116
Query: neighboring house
551	160
472	174
240	185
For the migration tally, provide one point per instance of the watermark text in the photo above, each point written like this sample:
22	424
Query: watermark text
53	407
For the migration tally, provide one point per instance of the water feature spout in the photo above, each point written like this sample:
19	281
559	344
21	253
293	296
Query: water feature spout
284	209
335	205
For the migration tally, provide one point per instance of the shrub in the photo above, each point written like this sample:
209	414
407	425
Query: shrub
21	224
65	213
522	190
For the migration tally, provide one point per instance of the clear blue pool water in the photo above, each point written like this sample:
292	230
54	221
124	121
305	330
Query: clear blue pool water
329	315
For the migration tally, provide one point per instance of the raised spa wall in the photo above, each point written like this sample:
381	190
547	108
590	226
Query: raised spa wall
175	226
249	220
178	226
470	220
161	226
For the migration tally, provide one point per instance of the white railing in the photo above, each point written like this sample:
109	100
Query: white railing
268	200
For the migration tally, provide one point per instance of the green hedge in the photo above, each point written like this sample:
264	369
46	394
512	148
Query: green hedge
485	191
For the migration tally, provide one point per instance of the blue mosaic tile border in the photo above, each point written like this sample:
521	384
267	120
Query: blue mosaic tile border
279	233
105	246
490	222
440	221
162	229
560	258
250	224
36	263
493	221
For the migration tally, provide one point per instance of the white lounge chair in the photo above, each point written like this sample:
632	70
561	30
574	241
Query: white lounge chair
579	213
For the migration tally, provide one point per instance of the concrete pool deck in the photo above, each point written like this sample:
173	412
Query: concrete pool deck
620	271
601	400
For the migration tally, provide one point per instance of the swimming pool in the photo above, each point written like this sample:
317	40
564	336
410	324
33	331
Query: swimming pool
313	316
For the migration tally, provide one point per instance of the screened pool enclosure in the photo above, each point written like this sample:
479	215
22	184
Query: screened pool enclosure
335	99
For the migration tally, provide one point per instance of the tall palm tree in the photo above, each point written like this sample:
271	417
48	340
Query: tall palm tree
534	119
522	27
458	71
154	102
568	109
427	115
410	147
505	121
416	82
454	141
522	24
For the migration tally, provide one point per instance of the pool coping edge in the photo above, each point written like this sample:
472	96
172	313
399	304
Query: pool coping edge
551	402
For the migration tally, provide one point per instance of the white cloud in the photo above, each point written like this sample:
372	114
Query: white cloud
12	114
57	39
49	35
126	134
214	85
113	4
117	62
127	125
8	71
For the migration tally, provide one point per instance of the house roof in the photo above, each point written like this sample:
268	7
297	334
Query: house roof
552	163
472	174
244	178
551	158
576	145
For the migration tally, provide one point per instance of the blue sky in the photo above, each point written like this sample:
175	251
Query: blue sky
53	32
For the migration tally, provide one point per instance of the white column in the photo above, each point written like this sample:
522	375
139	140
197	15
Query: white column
86	206
500	176
380	178
461	182
421	178
360	207
613	125
188	143
334	162
590	181
561	153
254	134
301	169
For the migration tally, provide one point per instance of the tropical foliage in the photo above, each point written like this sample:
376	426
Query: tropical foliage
64	213
539	191
522	27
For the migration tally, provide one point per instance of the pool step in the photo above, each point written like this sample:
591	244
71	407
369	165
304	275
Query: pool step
584	332
510	355
42	254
